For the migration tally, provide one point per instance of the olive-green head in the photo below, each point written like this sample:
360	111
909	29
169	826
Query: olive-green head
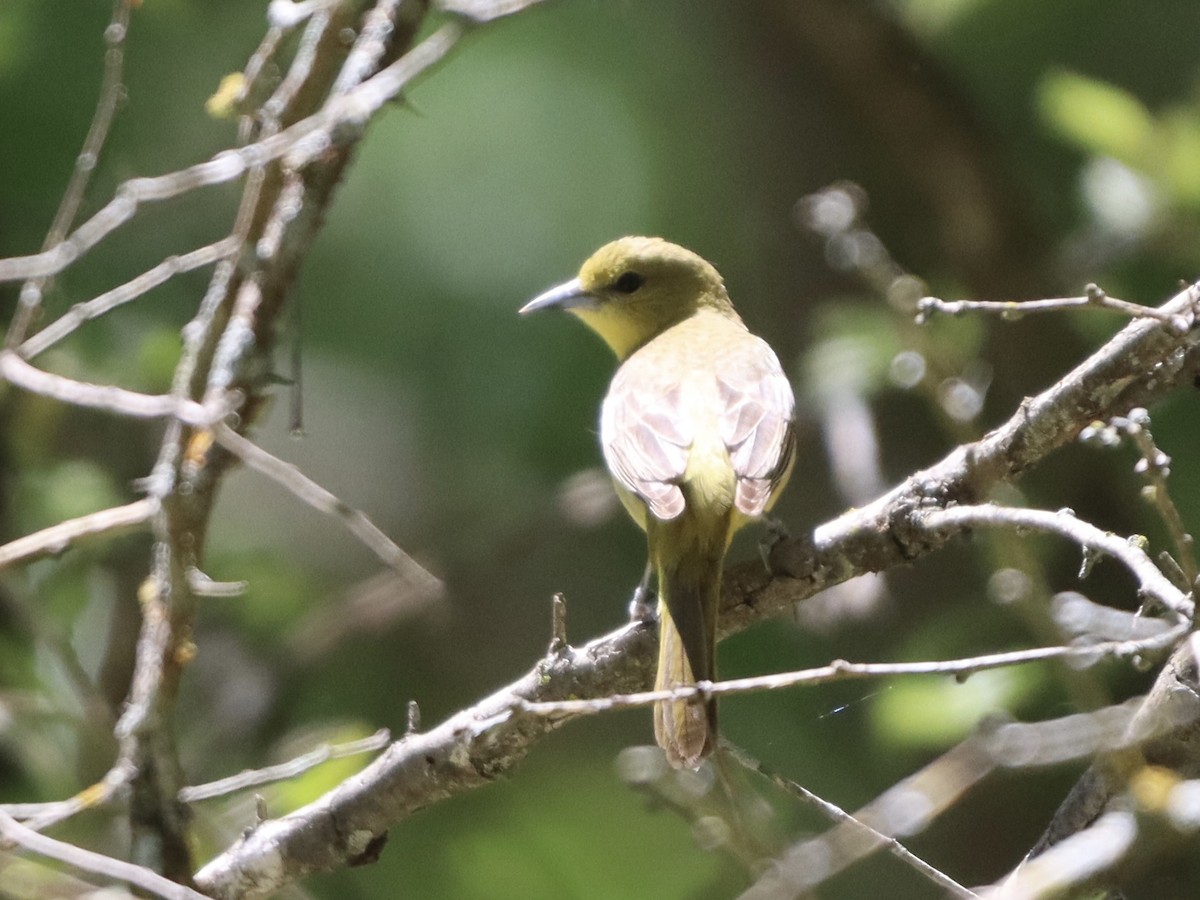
634	288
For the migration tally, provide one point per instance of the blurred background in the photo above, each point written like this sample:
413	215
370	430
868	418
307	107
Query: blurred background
835	161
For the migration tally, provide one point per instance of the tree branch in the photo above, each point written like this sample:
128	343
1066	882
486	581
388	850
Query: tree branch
57	538
97	863
1015	309
307	490
32	291
474	746
285	770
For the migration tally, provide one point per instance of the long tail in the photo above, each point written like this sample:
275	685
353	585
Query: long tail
689	587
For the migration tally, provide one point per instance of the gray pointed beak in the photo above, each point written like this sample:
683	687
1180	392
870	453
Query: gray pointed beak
565	296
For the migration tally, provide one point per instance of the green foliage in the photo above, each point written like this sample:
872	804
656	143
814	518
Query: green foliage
66	490
293	793
1102	119
931	713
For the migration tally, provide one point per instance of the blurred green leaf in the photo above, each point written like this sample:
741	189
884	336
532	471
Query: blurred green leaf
1180	149
936	712
64	491
157	356
1098	117
278	592
293	793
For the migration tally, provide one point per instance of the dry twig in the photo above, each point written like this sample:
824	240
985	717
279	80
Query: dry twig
98	863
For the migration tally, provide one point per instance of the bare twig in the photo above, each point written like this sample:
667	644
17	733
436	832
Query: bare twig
97	863
485	10
907	808
131	290
284	771
290	13
342	118
1152	584
1095	298
57	538
872	837
43	815
227	350
1077	736
1155	466
841	670
1073	861
233	330
307	490
558	623
103	397
85	164
1163	732
369	49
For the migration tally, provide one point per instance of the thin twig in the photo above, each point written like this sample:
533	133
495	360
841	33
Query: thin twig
370	47
290	13
301	143
146	760
85	164
104	397
841	670
103	792
1152	583
839	816
57	538
1075	861
1154	466
130	290
906	808
304	488
249	88
97	863
300	71
1095	298
558	624
286	770
227	350
1017	745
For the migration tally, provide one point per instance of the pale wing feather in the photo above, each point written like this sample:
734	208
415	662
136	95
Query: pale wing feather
647	437
757	418
645	443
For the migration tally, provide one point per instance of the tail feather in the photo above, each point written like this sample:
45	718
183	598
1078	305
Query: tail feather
685	729
689	587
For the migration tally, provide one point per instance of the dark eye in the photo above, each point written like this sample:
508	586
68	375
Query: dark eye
629	282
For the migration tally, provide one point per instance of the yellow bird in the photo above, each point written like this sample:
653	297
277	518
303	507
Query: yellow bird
697	431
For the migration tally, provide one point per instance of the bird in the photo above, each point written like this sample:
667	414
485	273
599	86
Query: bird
698	433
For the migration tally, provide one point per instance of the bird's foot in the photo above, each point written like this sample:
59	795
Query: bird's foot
643	607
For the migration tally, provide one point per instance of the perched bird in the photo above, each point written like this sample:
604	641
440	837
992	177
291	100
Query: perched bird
697	431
